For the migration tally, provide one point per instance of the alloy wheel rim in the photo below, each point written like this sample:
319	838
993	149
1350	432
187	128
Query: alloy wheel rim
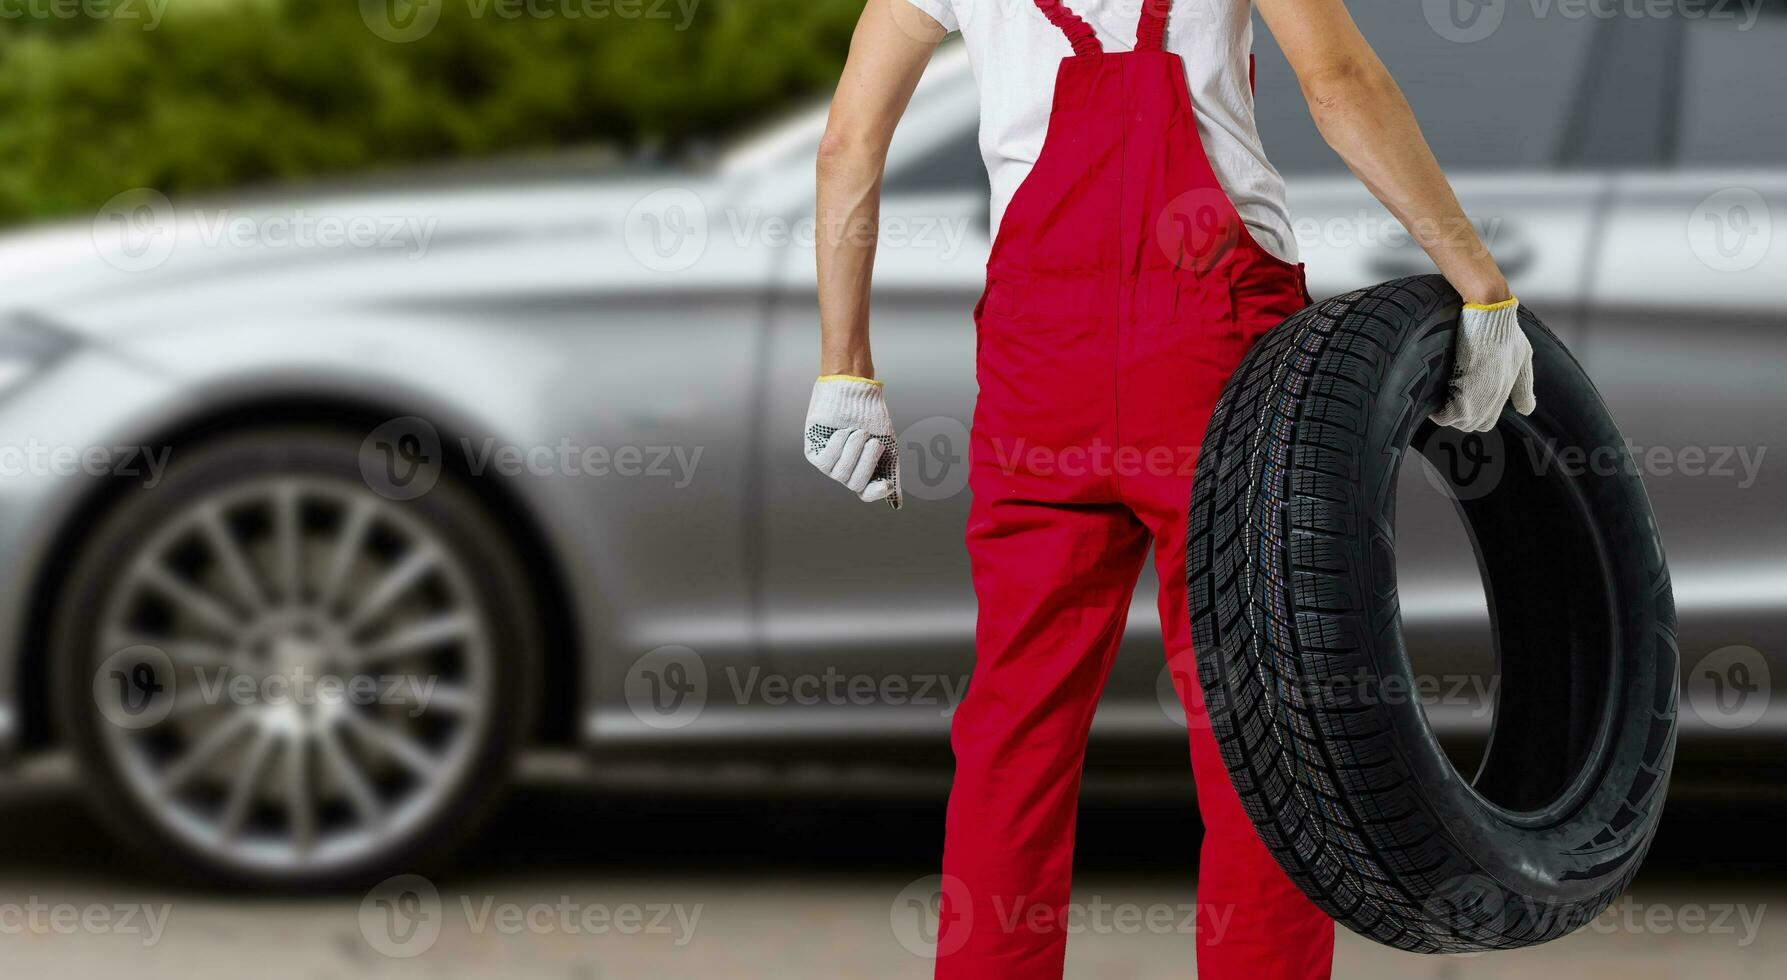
331	674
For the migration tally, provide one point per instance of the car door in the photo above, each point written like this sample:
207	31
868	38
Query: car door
1686	338
1498	102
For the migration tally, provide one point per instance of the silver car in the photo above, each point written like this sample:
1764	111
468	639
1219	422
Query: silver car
322	512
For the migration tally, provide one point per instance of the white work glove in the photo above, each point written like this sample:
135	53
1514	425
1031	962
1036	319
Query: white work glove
1491	361
850	437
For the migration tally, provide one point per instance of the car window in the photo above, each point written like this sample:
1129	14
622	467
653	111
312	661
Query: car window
1734	100
1489	93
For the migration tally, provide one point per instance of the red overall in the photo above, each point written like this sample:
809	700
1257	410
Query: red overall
1122	291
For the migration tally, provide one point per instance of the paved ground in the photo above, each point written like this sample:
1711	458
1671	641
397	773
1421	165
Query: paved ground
587	885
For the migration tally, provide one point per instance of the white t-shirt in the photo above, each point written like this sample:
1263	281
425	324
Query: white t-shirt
1015	52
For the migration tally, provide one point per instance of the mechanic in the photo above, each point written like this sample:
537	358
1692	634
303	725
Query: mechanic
1141	244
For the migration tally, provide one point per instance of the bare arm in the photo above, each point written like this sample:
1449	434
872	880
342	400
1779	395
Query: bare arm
888	53
1362	114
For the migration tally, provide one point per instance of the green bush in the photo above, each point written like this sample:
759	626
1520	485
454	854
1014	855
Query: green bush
232	92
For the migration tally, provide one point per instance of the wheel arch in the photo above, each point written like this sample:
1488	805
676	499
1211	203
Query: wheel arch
557	704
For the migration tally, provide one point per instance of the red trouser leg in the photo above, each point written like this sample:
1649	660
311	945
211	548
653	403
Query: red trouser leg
1054	584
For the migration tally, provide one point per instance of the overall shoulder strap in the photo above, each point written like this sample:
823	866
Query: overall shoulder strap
1151	31
1079	34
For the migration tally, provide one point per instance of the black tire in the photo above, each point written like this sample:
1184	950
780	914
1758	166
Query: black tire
1293	602
483	565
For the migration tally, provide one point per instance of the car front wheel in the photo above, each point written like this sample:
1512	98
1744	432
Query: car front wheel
274	674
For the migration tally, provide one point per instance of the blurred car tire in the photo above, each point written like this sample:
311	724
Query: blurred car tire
257	557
